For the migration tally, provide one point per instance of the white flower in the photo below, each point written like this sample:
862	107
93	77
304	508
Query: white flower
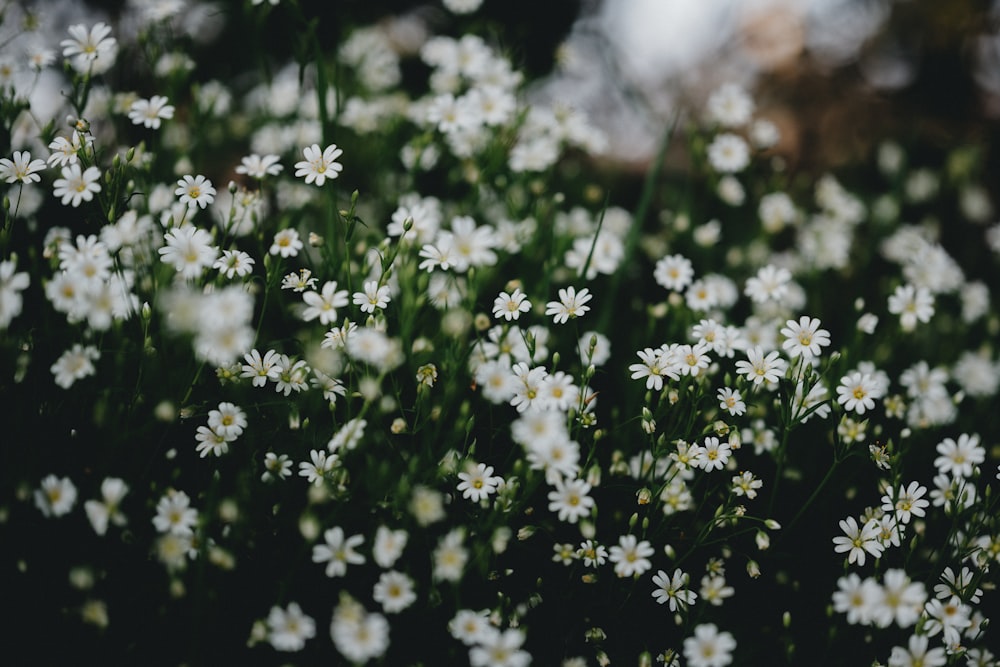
499	649
56	496
324	305
394	591
770	284
286	243
804	337
289	628
75	364
728	153
958	458
761	369
510	306
388	546
11	286
912	304
195	191
730	105
76	186
857	540
319	165
88	45
672	590
570	304
338	551
234	263
374	296
258	167
150	112
674	272
105	511
907	502
570	499
478	483
631	556
189	250
709	647
858	391
174	514
22	168
731	401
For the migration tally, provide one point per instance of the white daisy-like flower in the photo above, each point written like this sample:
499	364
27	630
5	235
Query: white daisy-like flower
319	165
510	306
150	112
77	186
570	304
195	191
21	168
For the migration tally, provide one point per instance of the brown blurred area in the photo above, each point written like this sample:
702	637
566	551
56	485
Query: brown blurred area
833	115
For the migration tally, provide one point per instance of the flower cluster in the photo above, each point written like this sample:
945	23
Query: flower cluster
368	342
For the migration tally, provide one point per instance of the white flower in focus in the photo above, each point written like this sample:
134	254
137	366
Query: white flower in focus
88	45
858	540
22	168
804	337
510	306
150	112
478	483
373	297
672	590
570	304
760	368
286	243
319	165
195	191
858	391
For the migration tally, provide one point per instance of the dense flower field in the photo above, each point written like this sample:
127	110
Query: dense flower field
361	353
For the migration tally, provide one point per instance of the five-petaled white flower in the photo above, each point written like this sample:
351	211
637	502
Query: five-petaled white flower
195	191
510	306
319	165
22	168
373	297
478	483
150	112
570	304
804	337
